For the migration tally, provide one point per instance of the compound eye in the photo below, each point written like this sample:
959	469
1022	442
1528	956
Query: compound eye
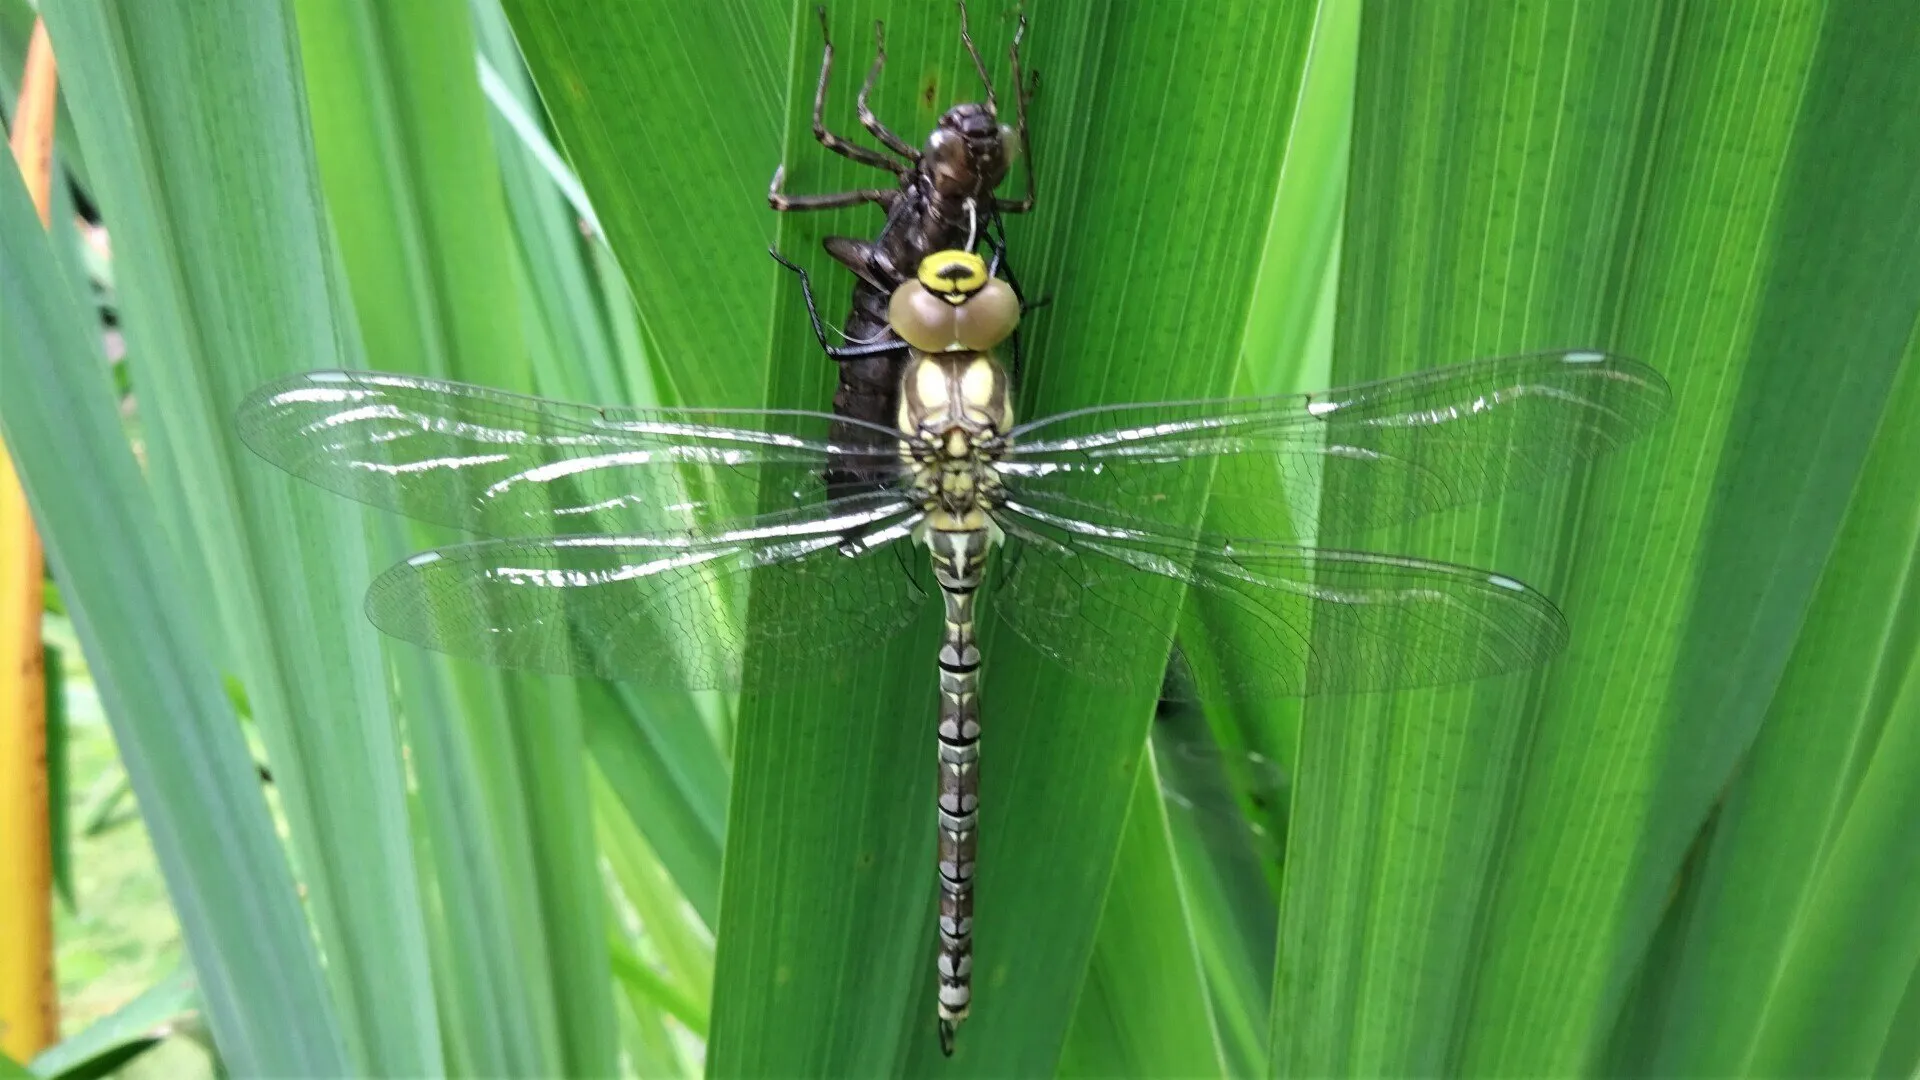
945	144
921	318
988	317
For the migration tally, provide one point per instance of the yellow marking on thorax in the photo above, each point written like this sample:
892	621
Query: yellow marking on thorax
930	387
971	520
979	385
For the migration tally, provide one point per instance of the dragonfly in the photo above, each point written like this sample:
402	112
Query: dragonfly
944	197
668	544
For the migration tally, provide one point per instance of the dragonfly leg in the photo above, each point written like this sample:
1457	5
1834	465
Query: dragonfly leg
979	65
780	200
871	122
839	352
827	138
997	266
1023	91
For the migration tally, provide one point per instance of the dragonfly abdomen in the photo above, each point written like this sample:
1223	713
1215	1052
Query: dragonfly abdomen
959	561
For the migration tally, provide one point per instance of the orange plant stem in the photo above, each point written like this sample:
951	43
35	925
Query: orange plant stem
29	1006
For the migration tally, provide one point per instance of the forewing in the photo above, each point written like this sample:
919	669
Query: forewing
1315	621
504	464
666	609
1344	460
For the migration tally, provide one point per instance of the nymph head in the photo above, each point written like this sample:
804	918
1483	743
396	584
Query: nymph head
969	153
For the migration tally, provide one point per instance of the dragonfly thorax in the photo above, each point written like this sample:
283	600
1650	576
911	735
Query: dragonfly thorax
954	414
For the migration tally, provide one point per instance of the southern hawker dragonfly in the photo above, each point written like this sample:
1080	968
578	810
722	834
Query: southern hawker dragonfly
667	544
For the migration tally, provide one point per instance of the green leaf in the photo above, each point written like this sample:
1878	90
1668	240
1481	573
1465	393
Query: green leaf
1287	349
654	748
671	115
653	741
199	120
672	994
111	1043
1476	874
1144	1011
633	971
1902	1052
681	946
59	792
402	133
1800	945
573	351
1838	994
197	787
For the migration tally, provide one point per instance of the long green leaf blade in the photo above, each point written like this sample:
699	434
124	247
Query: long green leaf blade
1614	174
1772	978
196	782
411	172
1143	1011
199	120
670	114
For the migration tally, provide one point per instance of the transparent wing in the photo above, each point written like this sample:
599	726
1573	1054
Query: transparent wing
507	465
1350	459
1308	621
670	609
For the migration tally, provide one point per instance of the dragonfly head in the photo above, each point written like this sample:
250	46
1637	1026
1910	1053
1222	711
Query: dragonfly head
969	152
953	305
